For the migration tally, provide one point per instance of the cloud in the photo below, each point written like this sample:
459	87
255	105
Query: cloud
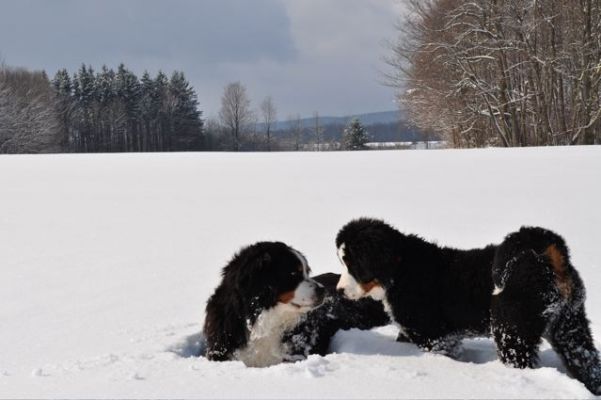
340	47
321	55
66	31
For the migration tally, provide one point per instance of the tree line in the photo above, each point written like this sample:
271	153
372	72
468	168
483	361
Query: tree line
240	127
502	72
115	111
104	111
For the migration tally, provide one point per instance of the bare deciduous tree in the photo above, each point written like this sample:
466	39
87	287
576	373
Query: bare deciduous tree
317	130
235	113
296	129
269	114
502	72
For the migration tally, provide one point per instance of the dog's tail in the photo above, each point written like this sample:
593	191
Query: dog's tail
536	283
540	252
558	260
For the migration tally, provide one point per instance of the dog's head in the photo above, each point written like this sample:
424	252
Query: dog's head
369	252
261	278
272	273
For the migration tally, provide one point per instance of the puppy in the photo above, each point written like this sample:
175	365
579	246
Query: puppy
268	310
520	291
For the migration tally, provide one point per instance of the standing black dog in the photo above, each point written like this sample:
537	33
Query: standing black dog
268	310
521	291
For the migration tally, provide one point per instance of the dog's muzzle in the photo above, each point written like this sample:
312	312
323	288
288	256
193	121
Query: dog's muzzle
308	294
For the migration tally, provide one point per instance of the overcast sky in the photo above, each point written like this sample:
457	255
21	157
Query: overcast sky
309	55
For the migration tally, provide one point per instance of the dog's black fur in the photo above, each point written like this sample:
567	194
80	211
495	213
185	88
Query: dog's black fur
252	283
313	334
520	291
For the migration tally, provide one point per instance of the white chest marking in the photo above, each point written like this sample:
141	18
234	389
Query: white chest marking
353	290
265	347
388	310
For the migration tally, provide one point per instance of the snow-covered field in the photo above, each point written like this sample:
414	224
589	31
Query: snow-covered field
108	260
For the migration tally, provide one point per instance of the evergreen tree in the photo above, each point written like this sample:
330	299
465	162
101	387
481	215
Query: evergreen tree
104	85
103	107
113	111
186	124
84	114
161	84
148	108
128	91
355	136
63	89
87	85
62	83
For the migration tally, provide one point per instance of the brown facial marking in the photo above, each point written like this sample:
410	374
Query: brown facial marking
286	297
562	279
368	286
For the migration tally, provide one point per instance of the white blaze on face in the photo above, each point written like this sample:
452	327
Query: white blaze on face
352	289
305	295
304	263
340	253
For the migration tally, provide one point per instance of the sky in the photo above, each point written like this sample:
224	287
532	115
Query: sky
309	55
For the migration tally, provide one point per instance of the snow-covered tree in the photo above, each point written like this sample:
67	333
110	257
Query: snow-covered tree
63	88
503	72
355	136
28	119
186	124
115	111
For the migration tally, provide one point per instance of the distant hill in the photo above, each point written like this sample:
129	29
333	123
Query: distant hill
384	117
386	126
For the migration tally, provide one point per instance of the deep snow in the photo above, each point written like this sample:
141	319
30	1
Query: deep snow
108	260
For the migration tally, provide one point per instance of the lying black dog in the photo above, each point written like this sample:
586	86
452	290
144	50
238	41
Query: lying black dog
268	310
520	291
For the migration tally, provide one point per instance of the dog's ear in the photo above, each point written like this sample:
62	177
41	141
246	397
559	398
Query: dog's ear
377	256
252	273
257	284
261	263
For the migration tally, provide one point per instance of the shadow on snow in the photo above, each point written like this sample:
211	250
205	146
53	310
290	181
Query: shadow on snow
354	341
